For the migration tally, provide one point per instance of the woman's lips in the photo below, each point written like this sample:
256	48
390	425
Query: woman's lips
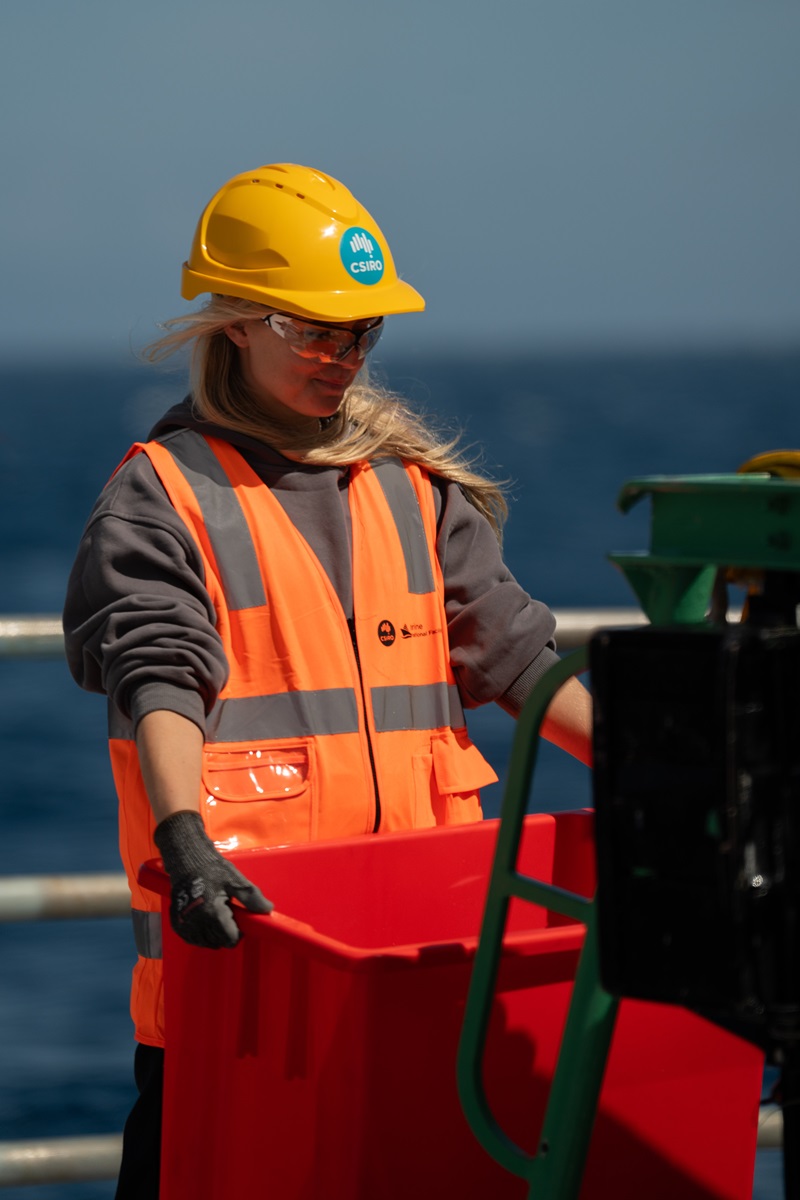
336	383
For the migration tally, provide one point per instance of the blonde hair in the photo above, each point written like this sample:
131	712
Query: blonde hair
372	422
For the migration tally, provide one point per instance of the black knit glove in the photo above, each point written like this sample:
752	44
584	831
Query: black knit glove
202	883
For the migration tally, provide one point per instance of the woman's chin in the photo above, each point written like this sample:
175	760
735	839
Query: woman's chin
329	397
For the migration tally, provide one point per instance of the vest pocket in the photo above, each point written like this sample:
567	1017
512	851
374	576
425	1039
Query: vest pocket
258	795
448	780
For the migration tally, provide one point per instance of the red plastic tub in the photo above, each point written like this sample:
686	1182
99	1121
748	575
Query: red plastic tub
317	1059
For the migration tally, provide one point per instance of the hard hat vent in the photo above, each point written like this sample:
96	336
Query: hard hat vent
241	245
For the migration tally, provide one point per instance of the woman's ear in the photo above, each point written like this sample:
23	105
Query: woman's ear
238	335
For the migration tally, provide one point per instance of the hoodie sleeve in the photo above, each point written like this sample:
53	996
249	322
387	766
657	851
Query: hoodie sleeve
138	622
501	640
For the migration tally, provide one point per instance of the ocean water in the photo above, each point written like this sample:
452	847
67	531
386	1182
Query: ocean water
567	430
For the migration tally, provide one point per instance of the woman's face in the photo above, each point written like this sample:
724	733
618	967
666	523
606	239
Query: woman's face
291	389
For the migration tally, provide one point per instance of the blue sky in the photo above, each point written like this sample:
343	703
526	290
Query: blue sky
569	172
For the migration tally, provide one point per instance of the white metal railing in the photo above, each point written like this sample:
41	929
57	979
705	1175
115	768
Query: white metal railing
87	1159
31	637
41	636
71	897
60	1160
63	897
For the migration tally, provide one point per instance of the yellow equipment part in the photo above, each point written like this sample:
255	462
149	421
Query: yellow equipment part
785	463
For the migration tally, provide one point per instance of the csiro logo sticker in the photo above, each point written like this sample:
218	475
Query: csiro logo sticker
362	255
386	633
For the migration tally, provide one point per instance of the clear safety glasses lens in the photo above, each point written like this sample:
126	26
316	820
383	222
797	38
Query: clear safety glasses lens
326	343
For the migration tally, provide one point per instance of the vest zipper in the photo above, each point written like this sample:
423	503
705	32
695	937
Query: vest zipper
351	625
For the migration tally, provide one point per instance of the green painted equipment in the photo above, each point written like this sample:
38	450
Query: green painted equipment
697	796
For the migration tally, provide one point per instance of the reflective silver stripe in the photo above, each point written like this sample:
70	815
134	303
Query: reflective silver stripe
457	718
224	519
147	932
254	718
286	714
402	500
334	710
418	706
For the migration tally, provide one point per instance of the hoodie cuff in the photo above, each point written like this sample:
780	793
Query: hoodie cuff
151	697
513	699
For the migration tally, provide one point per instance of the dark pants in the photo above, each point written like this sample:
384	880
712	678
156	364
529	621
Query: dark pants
141	1138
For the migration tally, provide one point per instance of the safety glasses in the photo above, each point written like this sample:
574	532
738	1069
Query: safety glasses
325	343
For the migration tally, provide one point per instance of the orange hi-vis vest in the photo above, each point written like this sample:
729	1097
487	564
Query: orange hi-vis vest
326	727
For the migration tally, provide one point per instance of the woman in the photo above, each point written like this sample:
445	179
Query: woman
291	591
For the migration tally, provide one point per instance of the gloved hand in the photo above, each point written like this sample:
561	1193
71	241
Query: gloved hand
202	883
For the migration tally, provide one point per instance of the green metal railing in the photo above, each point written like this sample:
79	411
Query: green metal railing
556	1170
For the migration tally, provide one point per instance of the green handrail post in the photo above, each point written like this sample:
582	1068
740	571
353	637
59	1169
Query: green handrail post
556	1170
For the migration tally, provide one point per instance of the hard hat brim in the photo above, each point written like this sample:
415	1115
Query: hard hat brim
374	301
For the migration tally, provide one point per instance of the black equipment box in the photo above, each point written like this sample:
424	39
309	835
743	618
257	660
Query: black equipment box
697	796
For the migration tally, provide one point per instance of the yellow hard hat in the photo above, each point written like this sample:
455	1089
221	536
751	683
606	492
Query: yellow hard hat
299	241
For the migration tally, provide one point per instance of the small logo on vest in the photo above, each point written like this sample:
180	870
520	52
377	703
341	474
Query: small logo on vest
415	631
386	633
